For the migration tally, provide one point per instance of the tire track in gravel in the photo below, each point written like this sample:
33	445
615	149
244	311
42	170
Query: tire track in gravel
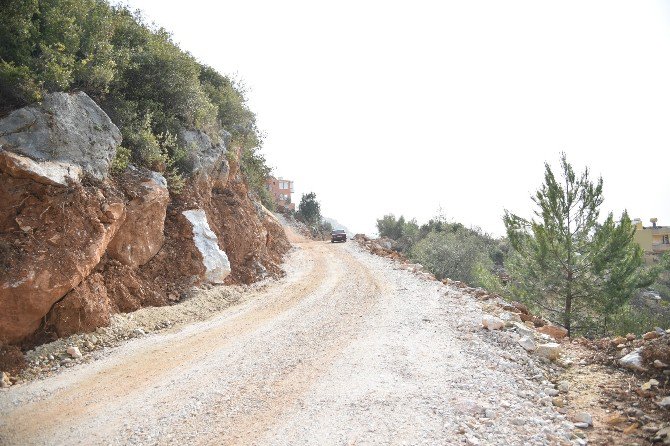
244	366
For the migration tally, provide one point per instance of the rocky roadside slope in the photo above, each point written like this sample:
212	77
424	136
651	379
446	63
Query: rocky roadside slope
79	245
616	390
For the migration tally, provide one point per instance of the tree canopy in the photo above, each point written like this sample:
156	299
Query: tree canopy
309	209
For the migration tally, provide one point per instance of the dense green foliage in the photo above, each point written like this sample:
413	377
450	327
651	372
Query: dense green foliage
309	212
454	254
388	226
309	209
149	87
448	250
577	271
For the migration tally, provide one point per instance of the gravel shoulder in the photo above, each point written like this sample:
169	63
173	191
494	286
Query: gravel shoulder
348	348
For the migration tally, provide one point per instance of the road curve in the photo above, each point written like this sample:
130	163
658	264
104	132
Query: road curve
347	349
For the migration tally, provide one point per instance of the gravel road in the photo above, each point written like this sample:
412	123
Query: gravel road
347	349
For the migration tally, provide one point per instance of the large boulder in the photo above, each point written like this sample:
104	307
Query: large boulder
83	309
217	266
66	128
207	157
276	242
141	235
51	238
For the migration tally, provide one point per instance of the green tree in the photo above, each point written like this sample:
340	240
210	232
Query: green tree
566	263
309	209
388	226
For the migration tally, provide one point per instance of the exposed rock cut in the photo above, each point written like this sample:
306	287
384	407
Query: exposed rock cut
51	239
253	238
66	128
141	235
275	241
74	250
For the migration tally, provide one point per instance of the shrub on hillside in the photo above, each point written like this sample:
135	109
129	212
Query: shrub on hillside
452	254
389	226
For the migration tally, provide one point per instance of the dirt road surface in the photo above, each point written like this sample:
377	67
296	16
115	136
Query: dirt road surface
348	349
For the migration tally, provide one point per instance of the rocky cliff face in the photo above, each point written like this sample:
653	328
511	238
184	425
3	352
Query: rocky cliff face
77	245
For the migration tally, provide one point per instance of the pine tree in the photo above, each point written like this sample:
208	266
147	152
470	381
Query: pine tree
565	262
310	209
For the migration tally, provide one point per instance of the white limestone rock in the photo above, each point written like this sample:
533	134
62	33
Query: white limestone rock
217	265
633	361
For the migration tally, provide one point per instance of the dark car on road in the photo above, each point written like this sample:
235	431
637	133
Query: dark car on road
338	235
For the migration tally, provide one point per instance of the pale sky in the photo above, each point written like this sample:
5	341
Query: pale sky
406	107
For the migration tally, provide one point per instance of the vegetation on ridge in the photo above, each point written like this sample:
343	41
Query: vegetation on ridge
150	88
447	249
